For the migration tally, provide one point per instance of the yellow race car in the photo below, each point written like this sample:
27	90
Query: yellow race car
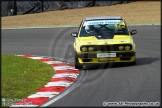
104	39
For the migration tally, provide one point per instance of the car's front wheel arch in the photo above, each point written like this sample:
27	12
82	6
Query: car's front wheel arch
76	61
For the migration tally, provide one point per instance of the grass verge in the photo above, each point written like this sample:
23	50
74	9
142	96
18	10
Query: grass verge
22	77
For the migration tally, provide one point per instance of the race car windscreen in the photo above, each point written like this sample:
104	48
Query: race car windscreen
103	27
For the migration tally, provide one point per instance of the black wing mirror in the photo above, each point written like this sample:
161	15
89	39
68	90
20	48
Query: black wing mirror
133	32
74	34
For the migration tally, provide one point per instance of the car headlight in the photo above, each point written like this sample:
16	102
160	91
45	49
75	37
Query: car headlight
127	47
90	48
84	48
121	47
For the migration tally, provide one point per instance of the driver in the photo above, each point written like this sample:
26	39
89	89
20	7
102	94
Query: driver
89	28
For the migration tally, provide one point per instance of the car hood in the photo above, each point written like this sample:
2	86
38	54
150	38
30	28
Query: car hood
94	41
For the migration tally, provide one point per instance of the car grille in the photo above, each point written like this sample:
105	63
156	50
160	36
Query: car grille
110	47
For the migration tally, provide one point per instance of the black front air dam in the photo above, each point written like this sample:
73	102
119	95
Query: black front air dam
118	54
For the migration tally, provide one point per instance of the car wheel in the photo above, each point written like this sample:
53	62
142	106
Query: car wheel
76	62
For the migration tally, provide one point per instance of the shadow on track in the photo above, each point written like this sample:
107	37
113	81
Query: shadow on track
146	60
139	61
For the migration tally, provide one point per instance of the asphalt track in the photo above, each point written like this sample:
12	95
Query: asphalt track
139	83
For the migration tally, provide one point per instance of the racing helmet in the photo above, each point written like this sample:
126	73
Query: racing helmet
89	28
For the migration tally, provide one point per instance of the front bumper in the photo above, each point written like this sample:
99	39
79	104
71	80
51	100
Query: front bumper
118	54
86	58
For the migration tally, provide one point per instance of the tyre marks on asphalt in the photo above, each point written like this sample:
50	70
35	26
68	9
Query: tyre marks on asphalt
65	75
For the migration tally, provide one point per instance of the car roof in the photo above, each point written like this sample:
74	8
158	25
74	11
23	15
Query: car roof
103	18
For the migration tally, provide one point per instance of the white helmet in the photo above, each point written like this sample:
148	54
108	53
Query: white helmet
89	28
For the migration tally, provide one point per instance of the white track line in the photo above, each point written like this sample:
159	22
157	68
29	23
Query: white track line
41	95
65	84
53	62
65	75
36	58
63	67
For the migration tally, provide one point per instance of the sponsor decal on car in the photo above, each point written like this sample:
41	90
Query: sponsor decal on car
103	22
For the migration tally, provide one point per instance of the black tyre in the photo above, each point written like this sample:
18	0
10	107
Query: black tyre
76	62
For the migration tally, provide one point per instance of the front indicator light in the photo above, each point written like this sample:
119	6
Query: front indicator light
90	48
127	47
84	48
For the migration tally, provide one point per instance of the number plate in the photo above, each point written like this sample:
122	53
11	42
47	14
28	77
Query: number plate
100	55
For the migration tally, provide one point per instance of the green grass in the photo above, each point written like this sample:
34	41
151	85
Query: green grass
22	77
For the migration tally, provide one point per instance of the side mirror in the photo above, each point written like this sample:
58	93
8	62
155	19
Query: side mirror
133	32
74	34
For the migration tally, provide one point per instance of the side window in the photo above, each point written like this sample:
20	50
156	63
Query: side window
82	31
80	26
